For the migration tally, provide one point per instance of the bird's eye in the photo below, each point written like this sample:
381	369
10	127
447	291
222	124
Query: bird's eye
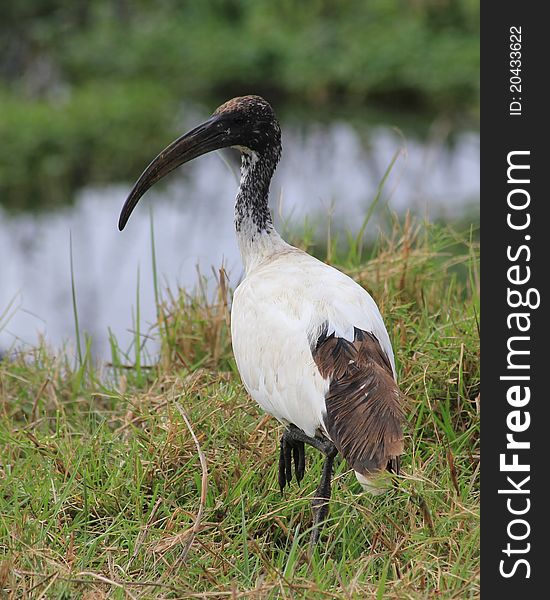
239	119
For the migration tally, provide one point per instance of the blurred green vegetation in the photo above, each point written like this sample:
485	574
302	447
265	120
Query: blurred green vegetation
50	149
83	84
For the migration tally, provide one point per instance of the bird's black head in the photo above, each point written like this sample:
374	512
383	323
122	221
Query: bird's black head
251	120
247	123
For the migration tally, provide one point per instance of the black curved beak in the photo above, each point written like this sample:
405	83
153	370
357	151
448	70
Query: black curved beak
213	134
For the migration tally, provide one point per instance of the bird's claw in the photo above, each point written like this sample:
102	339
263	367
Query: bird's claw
291	450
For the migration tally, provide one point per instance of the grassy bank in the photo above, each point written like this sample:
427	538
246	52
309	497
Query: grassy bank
129	481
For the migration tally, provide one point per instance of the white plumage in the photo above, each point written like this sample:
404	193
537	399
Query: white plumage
277	314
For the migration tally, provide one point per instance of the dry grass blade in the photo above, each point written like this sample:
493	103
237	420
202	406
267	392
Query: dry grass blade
452	470
426	513
204	485
143	531
51	581
107	580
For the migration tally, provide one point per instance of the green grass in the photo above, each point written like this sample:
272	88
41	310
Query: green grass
103	494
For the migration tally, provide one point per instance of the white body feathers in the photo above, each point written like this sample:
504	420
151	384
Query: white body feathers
278	313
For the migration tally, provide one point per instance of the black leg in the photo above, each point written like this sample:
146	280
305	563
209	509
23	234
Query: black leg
319	504
292	449
299	455
295	434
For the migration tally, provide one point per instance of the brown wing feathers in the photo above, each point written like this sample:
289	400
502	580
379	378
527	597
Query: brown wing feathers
363	415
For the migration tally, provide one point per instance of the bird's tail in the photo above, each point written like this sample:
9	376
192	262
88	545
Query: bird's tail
364	419
375	485
363	405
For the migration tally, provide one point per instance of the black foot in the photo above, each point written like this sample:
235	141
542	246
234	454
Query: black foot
291	450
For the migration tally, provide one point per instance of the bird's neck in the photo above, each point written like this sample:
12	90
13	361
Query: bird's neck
256	236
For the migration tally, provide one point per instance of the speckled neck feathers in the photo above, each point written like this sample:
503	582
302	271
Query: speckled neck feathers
256	235
252	215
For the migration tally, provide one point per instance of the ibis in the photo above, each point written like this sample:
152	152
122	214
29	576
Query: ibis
309	342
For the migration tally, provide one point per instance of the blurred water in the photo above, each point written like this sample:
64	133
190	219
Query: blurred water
325	168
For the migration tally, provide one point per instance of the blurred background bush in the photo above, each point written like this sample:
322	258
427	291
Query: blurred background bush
83	83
